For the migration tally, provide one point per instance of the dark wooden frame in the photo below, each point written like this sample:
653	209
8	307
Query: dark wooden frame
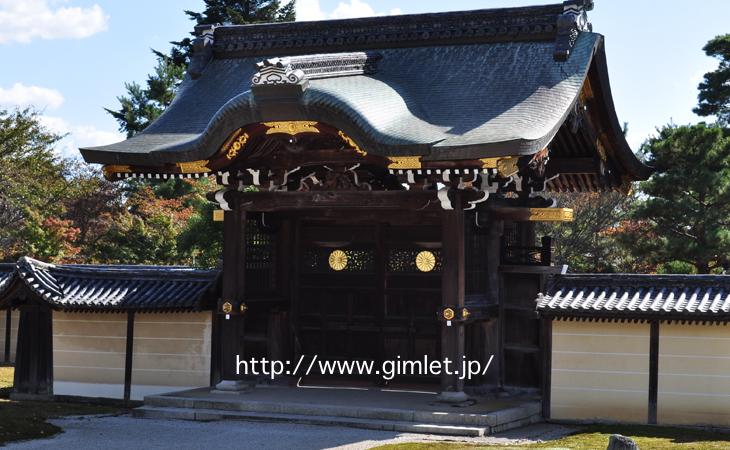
546	331
128	357
8	333
34	356
231	328
653	372
453	291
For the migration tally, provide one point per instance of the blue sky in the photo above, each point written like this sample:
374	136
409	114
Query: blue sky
71	58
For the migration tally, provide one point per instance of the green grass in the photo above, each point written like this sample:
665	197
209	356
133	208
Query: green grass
23	420
596	438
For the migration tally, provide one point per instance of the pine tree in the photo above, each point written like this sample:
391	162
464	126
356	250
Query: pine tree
140	106
685	205
150	238
714	97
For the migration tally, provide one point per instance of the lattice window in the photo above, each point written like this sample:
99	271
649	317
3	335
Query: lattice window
260	259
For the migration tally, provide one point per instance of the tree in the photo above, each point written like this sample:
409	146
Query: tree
685	205
146	232
142	105
589	243
232	12
714	96
160	237
33	184
202	239
94	206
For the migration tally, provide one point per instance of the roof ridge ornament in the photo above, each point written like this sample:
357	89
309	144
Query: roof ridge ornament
202	50
571	23
277	71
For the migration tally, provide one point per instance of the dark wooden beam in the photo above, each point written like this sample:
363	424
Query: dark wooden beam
539	270
34	329
546	331
22	357
494	326
653	371
368	200
452	295
311	158
34	358
585	165
234	270
295	263
129	356
8	324
215	351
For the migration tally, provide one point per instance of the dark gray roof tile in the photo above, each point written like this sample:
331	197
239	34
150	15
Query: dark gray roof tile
6	271
700	297
100	287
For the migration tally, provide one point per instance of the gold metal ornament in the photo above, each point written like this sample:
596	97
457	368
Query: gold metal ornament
115	169
235	147
425	261
489	163
227	307
194	166
449	314
465	313
352	143
338	260
291	128
404	162
551	215
244	308
507	167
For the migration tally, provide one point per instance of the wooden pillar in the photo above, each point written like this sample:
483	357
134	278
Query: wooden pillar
8	334
129	356
653	371
215	351
452	295
381	267
494	326
34	365
546	336
231	326
295	263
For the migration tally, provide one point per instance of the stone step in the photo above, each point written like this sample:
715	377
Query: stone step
238	404
206	415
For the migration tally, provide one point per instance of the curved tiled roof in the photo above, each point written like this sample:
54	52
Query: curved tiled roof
445	87
675	297
98	287
446	102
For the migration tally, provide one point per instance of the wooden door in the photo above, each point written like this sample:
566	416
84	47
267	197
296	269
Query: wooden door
361	296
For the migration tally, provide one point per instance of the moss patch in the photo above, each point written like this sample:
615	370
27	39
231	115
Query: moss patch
596	438
23	420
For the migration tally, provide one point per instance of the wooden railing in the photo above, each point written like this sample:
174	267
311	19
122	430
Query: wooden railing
527	256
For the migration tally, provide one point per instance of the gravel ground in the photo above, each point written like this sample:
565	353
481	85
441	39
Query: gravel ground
124	432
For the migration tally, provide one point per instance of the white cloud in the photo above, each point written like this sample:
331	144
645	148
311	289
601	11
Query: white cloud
43	98
312	10
309	10
22	95
25	20
78	135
